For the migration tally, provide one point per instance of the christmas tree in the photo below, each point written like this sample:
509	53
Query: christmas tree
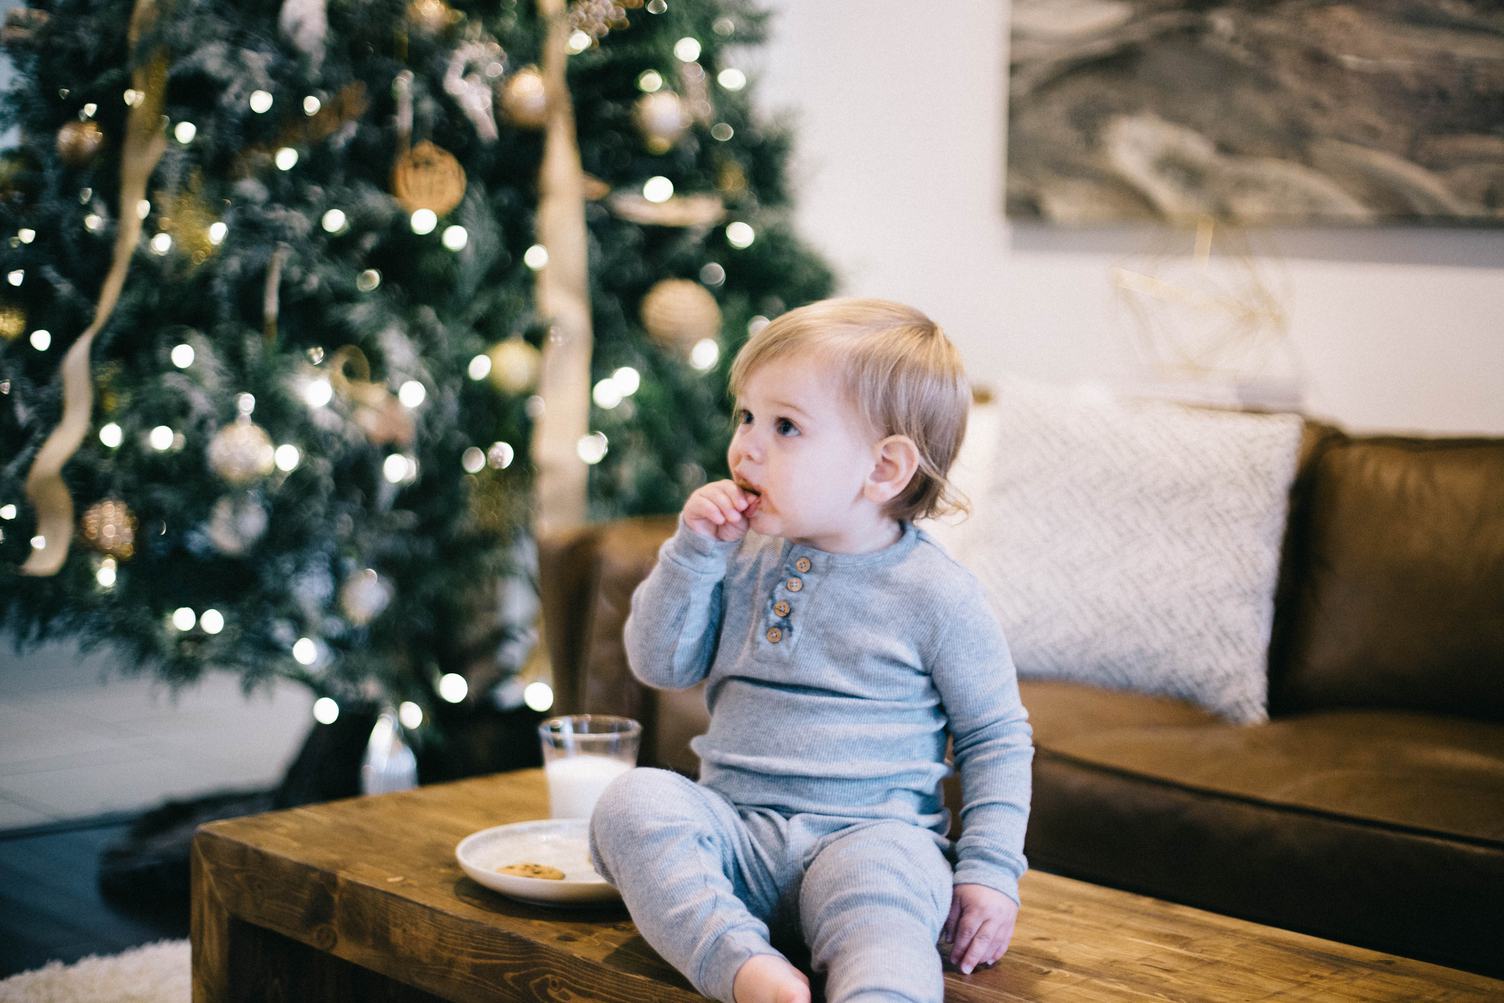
291	255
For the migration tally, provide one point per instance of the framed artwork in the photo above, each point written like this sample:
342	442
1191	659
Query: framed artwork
1257	111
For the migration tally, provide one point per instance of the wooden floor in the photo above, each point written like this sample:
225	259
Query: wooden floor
50	904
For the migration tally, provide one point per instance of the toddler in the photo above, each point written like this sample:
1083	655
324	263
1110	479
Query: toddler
840	644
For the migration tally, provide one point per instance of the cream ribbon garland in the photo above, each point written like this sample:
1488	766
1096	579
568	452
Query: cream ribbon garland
563	297
145	142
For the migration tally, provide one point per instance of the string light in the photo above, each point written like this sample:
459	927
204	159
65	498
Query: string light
410	714
305	651
579	41
412	393
41	339
325	710
318	392
535	257
287	457
286	158
183	618
105	575
261	102
650	81
500	455
705	354
627	380
212	621
452	687
731	78
721	132
687	50
480	367
311	105
143	209
184	132
368	280
473	460
182	356
740	235
133	97
399	469
423	221
217	233
161	244
160	438
16	277
538	696
658	189
7	512
26	235
592	448
333	221
111	435
712	274
455	237
606	394
39	542
93	222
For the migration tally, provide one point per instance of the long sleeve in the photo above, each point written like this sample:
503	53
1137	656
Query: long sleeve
993	747
674	625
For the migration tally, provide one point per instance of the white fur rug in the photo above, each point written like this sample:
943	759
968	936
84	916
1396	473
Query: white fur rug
156	973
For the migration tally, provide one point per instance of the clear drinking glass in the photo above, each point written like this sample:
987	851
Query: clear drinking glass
582	753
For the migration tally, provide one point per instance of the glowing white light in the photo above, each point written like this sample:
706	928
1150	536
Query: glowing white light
16	277
627	380
133	97
26	234
286	158
412	393
261	102
184	132
106	574
183	618
368	280
143	208
535	257
423	221
217	233
93	222
650	81
7	511
305	651
245	403
212	620
712	274
756	324
318	392
160	438
111	435
90	109
731	78
473	459
287	457
410	714
579	41
480	367
452	687
455	237
538	696
161	243
500	455
591	448
333	221
658	189
705	354
399	469
740	234
39	542
606	394
41	339
182	356
325	711
687	50
721	132
311	105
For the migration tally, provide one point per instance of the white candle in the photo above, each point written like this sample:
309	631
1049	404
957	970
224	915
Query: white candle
576	782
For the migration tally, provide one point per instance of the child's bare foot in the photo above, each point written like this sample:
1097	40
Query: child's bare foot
767	978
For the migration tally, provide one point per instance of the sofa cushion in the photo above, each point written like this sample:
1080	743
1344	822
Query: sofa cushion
1136	545
1399	597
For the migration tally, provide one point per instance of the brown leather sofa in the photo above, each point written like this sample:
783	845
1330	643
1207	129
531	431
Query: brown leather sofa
1369	809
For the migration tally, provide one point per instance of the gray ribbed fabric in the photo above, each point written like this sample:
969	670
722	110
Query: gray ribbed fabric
832	682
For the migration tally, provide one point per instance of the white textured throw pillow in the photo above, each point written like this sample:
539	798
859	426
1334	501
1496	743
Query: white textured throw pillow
1135	545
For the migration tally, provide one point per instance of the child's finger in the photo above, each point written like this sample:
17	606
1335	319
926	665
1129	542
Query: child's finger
966	930
980	949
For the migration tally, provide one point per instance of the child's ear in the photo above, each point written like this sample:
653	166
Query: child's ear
897	459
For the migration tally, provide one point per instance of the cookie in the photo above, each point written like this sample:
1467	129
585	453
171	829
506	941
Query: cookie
541	871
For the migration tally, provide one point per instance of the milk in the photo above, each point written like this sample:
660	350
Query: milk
576	782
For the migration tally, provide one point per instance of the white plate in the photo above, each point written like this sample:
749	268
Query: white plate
561	843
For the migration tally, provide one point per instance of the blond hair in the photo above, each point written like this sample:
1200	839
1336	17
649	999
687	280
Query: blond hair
901	373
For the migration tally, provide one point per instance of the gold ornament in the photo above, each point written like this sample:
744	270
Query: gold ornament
679	312
428	177
12	322
79	142
660	120
523	100
375	409
110	528
186	218
730	178
431	16
241	452
598	18
514	365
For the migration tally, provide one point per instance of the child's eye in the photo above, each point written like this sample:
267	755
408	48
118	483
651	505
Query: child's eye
785	427
741	416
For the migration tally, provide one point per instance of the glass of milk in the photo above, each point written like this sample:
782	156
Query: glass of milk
582	753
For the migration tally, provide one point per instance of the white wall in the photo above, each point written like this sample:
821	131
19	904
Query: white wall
900	116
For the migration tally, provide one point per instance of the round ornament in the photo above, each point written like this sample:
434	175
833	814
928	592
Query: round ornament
679	312
79	142
235	524
428	177
12	322
660	120
431	16
109	527
241	453
523	99
363	596
514	365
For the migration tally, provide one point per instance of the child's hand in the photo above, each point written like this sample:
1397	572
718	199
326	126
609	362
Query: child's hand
979	927
718	510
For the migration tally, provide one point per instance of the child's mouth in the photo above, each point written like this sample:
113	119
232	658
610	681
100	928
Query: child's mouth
755	492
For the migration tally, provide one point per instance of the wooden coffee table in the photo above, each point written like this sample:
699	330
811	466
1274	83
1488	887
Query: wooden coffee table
363	900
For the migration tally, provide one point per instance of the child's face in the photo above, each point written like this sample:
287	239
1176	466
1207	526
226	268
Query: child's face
805	454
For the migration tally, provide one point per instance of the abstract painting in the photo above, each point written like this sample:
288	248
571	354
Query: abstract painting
1257	111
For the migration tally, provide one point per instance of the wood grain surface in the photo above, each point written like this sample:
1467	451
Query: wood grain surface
363	899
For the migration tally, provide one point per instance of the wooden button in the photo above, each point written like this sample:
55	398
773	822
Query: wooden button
802	565
782	607
795	584
775	635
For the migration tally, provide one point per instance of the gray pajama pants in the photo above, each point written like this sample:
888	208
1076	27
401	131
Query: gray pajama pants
710	885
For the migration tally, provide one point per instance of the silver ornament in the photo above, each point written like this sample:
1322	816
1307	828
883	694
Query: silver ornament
241	452
235	524
363	596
